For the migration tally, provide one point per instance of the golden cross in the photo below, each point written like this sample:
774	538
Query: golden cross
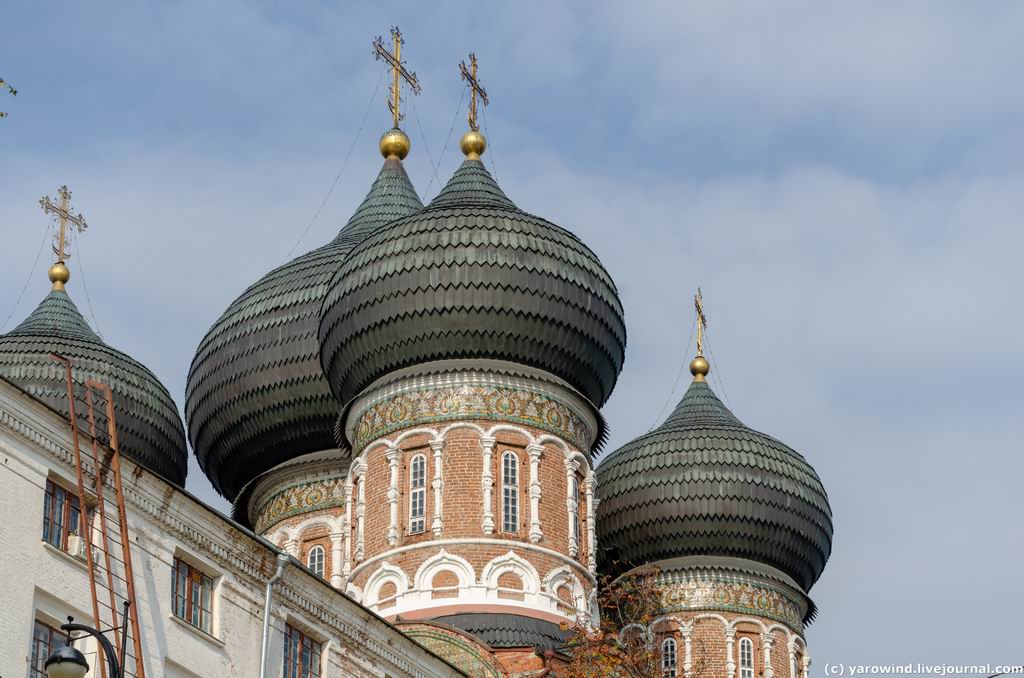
702	321
398	72
469	75
64	215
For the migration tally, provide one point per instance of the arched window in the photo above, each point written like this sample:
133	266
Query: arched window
417	494
668	658
746	658
315	560
510	492
575	526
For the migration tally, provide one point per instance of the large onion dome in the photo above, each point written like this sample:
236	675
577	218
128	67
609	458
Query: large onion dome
703	484
148	424
472	276
256	395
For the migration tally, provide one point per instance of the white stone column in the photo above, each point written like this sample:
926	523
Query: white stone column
347	569
588	485
766	645
437	524
572	505
292	547
361	510
687	633
337	567
791	647
730	661
806	664
393	455
536	534
488	485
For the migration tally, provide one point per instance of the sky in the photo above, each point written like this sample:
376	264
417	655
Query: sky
845	182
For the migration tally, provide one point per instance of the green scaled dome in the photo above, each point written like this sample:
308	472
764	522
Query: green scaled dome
472	276
256	396
148	424
704	484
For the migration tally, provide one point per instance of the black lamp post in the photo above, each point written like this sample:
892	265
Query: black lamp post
68	662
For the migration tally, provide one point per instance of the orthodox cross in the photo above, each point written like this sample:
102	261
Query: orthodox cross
469	75
702	321
64	216
398	72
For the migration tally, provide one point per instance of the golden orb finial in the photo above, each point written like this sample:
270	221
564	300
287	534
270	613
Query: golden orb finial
699	368
59	275
395	143
473	144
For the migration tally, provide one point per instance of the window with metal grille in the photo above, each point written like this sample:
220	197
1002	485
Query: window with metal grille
746	658
510	492
62	515
315	560
668	658
301	654
45	639
192	595
417	494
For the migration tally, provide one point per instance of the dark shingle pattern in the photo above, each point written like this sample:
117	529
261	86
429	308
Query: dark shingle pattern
472	277
256	395
702	483
509	630
149	427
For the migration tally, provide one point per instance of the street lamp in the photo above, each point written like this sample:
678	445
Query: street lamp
68	662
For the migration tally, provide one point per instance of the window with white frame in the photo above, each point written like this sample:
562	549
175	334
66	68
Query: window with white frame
668	658
192	595
45	639
315	560
746	658
417	494
62	516
301	654
509	492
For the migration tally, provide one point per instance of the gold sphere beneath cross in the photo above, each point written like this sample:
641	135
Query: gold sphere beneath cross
59	275
396	143
699	368
473	144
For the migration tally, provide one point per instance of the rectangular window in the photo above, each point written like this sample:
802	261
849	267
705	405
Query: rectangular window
418	494
509	492
62	515
45	639
192	595
301	654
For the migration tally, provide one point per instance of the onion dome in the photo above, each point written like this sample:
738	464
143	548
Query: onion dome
148	424
472	276
256	395
703	484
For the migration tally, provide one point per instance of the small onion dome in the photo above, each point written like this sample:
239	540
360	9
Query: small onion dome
472	276
704	484
149	428
256	396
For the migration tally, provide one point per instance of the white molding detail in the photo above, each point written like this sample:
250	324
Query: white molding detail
360	509
385	573
487	444
393	454
766	645
589	484
572	506
536	534
563	576
348	527
442	561
437	524
730	660
337	578
518	566
686	631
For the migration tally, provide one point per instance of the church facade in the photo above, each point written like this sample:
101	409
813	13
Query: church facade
407	417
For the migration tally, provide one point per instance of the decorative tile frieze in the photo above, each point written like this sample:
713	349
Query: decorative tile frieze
730	594
300	498
434	404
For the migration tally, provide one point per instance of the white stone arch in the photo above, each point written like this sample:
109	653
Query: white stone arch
510	563
682	624
405	435
443	434
786	633
710	615
563	576
753	620
332	523
354	592
570	453
385	574
443	561
511	428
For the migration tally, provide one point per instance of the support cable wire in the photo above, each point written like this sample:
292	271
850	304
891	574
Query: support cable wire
446	142
423	138
715	371
81	269
338	175
487	133
32	271
679	376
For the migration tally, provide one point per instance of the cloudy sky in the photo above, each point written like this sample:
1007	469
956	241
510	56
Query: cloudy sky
845	182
